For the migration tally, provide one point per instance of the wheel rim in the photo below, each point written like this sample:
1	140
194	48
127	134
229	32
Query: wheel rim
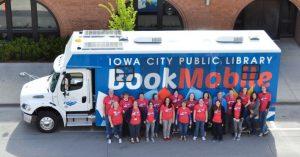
47	123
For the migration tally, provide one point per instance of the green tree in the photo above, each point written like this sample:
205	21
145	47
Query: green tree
122	16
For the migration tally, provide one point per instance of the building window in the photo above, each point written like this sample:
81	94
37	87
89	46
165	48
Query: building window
157	15
21	14
26	18
2	21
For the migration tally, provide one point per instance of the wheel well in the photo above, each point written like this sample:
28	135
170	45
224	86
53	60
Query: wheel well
49	109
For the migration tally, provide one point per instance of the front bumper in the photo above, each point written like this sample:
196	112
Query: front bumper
28	118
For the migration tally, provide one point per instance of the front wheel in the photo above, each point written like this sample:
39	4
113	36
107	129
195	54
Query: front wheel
47	122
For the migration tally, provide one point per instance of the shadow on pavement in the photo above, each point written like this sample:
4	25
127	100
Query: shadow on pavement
26	141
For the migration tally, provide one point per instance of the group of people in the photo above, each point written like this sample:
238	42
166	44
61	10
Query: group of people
231	113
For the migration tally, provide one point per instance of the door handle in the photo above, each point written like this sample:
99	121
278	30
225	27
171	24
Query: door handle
83	100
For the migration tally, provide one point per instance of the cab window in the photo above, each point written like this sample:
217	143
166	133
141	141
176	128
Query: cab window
72	81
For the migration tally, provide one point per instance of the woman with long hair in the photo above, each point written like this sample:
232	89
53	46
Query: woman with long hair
253	117
167	118
217	113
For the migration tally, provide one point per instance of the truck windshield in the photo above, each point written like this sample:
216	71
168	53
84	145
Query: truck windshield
53	82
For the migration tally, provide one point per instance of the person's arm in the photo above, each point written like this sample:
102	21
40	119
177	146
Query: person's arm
194	115
206	113
160	116
110	121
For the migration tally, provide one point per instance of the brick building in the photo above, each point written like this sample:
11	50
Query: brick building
280	18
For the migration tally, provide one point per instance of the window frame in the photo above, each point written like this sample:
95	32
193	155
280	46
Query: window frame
63	83
124	73
249	72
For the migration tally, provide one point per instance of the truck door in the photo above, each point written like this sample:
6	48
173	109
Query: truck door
74	93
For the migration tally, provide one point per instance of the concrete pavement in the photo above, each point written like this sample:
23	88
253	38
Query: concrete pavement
18	139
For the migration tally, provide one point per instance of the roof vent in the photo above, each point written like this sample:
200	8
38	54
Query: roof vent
101	33
230	39
154	40
102	46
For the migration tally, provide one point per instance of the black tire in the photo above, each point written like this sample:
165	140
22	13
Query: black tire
50	116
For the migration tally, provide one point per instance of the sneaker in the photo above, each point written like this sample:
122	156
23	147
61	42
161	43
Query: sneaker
184	138
194	138
265	133
109	141
235	137
120	140
261	134
203	139
152	139
238	138
156	135
181	138
137	140
132	140
147	139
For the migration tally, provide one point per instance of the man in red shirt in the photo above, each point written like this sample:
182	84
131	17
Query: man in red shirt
265	102
183	115
176	100
200	115
115	116
126	103
107	102
230	99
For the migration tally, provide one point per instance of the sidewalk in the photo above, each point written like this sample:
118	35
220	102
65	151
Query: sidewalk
289	73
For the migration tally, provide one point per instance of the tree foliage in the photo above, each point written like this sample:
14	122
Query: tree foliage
122	15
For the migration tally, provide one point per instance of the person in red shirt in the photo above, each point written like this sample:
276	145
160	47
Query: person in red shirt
107	104
167	117
142	101
150	122
265	101
200	117
245	101
183	119
238	118
126	103
176	100
115	116
217	119
231	100
134	118
191	102
156	105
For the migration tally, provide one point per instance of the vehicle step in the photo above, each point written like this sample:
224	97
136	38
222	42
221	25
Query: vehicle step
80	116
87	123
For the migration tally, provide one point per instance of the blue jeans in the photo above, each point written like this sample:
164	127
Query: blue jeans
199	125
108	129
183	128
117	129
262	121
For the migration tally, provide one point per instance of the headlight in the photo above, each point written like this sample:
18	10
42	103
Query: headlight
26	107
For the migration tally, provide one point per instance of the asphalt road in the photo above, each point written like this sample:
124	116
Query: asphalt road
22	140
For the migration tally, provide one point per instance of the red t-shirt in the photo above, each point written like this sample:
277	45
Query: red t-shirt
167	113
217	118
245	98
191	104
150	115
200	112
126	104
184	115
116	116
107	101
264	99
156	103
142	102
176	101
237	110
206	102
135	117
230	102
